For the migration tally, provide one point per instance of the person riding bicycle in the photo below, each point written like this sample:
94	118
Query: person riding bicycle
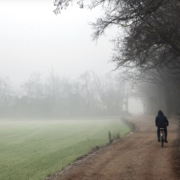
161	122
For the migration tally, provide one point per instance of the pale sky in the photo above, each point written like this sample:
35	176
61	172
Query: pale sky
33	38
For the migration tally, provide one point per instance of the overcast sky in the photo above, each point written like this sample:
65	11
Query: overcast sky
33	38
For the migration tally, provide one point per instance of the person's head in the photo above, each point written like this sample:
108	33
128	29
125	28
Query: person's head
160	113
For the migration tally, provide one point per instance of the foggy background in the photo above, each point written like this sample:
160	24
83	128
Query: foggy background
33	38
39	48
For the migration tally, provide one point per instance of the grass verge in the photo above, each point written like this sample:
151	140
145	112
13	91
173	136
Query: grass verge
34	150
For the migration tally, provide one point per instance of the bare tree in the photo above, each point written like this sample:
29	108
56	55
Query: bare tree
33	88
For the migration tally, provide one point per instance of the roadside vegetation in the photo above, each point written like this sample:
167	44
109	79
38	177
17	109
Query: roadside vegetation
36	149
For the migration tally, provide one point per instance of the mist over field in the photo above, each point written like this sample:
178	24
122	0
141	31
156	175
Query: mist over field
34	149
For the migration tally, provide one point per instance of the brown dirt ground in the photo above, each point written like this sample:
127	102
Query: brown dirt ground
138	156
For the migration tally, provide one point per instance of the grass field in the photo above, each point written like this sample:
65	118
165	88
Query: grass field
32	150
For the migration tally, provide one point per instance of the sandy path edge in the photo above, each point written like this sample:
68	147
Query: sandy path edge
92	154
138	156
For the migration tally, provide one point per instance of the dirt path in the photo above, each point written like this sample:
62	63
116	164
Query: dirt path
138	156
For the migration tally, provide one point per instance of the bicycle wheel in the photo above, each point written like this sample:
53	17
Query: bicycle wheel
162	141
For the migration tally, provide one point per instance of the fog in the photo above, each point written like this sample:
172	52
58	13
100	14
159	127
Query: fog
135	106
74	79
33	38
51	67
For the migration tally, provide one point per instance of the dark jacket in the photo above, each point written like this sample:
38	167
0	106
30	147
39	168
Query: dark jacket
161	120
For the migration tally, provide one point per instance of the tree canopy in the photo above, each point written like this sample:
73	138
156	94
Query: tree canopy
150	45
152	30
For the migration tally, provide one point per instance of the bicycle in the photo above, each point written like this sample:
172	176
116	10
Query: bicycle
162	139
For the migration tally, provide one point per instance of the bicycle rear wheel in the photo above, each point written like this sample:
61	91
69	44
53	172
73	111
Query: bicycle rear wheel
162	141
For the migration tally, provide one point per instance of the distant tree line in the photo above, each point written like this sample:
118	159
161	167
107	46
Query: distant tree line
149	50
89	95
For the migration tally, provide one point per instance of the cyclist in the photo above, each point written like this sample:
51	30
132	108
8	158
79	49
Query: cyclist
161	122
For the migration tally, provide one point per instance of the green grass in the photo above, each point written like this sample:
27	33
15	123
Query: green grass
32	150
